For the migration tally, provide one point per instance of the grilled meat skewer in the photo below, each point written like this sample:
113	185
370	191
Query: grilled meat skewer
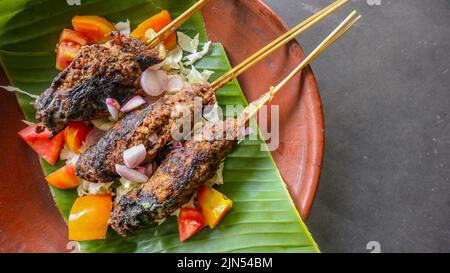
185	168
151	126
88	169
174	182
99	72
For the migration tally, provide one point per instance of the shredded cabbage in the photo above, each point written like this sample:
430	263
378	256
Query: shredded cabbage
173	59
124	27
194	57
194	76
88	188
124	188
187	43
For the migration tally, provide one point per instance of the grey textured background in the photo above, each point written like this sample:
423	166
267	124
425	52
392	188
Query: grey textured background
385	89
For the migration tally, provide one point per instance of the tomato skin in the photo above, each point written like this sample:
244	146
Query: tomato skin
48	149
64	178
97	29
213	205
89	216
69	35
190	221
65	53
75	134
157	23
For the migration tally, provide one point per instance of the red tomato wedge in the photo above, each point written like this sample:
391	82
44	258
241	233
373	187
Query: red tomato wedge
69	35
190	221
75	134
89	216
64	178
65	53
213	205
157	23
48	149
97	29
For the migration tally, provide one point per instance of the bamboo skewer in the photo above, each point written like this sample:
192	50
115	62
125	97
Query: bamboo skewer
276	44
170	28
255	106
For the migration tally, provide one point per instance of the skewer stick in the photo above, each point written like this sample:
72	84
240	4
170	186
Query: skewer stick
254	107
170	28
276	44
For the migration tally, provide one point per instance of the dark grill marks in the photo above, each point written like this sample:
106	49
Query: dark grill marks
97	164
173	184
99	72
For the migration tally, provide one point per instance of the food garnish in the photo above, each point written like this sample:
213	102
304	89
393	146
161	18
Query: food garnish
64	178
213	205
40	140
157	23
190	221
75	135
97	29
88	219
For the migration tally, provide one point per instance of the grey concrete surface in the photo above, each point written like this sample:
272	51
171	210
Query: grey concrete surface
386	95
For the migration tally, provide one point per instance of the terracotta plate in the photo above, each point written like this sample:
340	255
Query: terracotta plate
29	220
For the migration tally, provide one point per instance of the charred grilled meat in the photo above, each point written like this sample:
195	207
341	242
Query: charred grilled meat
151	126
174	182
98	72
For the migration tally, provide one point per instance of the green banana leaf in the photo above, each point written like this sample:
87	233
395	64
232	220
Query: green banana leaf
263	219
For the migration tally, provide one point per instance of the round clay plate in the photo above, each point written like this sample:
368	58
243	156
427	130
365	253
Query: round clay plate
29	220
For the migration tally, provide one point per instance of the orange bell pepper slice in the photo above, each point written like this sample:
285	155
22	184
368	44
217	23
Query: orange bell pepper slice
213	204
157	23
65	53
69	35
89	216
64	178
97	29
75	134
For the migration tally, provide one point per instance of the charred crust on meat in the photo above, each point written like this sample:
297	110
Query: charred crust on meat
97	164
98	72
172	185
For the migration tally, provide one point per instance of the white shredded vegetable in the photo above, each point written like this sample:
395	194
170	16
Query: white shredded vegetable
173	59
124	188
187	43
89	188
194	57
194	76
124	27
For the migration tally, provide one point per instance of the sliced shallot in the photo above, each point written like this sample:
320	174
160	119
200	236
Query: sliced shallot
134	156
130	174
94	136
132	104
113	108
154	82
176	83
141	169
